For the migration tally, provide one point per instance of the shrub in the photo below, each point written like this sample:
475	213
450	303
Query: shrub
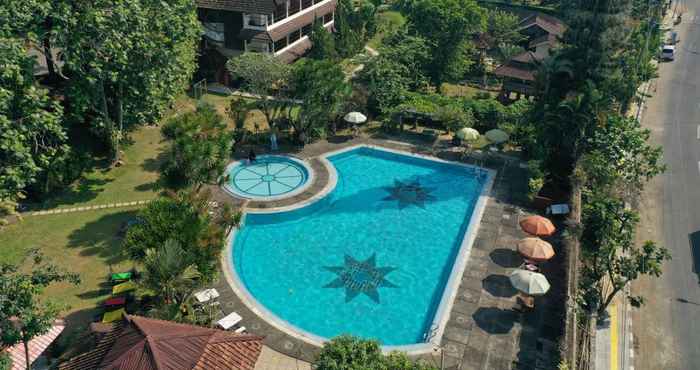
350	353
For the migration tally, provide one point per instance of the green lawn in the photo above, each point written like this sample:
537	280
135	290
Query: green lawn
387	22
455	90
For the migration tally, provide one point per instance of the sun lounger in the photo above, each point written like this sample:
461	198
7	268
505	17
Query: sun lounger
229	321
115	302
120	277
123	288
206	295
112	316
558	209
240	330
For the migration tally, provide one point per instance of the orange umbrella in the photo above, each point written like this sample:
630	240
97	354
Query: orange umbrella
535	249
537	225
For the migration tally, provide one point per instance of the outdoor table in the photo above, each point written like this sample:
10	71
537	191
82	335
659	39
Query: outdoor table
123	287
206	295
229	321
112	316
115	301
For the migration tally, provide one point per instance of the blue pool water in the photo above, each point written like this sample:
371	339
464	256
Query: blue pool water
372	257
269	176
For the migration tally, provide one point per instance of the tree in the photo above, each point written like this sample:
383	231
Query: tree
185	217
170	272
322	43
350	353
32	136
455	117
503	28
322	88
127	60
23	314
200	148
353	26
413	53
449	25
612	258
34	22
262	75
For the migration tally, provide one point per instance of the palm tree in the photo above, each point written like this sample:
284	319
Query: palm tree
170	273
550	68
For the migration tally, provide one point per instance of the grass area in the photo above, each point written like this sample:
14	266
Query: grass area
387	22
84	242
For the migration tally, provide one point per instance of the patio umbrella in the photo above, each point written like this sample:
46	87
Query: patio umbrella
535	249
528	282
468	134
355	118
497	136
537	225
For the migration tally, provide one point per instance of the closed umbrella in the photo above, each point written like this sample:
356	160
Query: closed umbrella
535	249
468	134
528	282
537	225
355	118
497	136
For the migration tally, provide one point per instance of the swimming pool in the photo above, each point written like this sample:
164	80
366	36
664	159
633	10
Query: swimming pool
372	258
269	177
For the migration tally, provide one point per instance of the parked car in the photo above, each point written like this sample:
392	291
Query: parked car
668	52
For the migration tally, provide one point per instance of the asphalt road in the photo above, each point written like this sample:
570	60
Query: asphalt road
667	328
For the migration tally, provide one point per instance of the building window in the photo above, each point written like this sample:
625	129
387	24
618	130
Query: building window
327	18
294	6
306	30
306	3
257	20
280	44
280	12
294	36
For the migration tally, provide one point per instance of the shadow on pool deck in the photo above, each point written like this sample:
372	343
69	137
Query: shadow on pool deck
483	332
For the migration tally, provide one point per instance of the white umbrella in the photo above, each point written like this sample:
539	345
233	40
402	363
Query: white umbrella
468	134
355	118
528	282
497	136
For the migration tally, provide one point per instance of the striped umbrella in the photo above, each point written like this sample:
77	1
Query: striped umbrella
537	225
528	282
535	249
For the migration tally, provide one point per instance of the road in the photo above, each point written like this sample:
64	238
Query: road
667	329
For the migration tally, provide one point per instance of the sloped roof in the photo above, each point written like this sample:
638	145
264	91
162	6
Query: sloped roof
243	6
37	346
139	343
550	24
509	70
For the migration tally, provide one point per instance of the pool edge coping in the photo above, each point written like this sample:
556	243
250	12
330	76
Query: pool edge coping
444	309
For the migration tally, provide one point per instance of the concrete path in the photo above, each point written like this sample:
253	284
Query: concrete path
85	208
272	360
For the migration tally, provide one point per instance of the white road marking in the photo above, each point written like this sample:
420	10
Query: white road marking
698	132
698	166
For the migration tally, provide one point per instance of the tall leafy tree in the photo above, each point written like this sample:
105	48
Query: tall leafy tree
354	25
348	352
323	43
322	89
32	136
128	60
200	148
170	272
23	313
265	76
186	218
449	25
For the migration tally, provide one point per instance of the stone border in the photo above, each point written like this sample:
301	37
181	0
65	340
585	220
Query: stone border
311	175
450	290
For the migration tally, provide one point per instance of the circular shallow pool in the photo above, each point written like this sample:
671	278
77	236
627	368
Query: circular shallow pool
269	177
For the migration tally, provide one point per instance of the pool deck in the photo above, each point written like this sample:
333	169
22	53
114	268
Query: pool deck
483	332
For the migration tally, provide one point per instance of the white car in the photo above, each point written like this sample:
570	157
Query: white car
668	52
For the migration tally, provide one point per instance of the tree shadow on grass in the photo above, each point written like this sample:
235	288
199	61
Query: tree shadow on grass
99	238
153	164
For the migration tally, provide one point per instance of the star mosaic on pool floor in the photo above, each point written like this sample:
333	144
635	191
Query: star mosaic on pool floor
360	277
409	194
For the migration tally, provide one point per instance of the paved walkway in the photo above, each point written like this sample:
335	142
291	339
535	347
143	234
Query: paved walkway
272	360
86	208
483	332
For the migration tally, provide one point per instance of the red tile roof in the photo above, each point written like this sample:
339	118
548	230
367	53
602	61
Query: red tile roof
37	346
547	23
515	72
139	343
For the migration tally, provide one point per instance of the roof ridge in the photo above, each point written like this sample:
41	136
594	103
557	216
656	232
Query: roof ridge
155	353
